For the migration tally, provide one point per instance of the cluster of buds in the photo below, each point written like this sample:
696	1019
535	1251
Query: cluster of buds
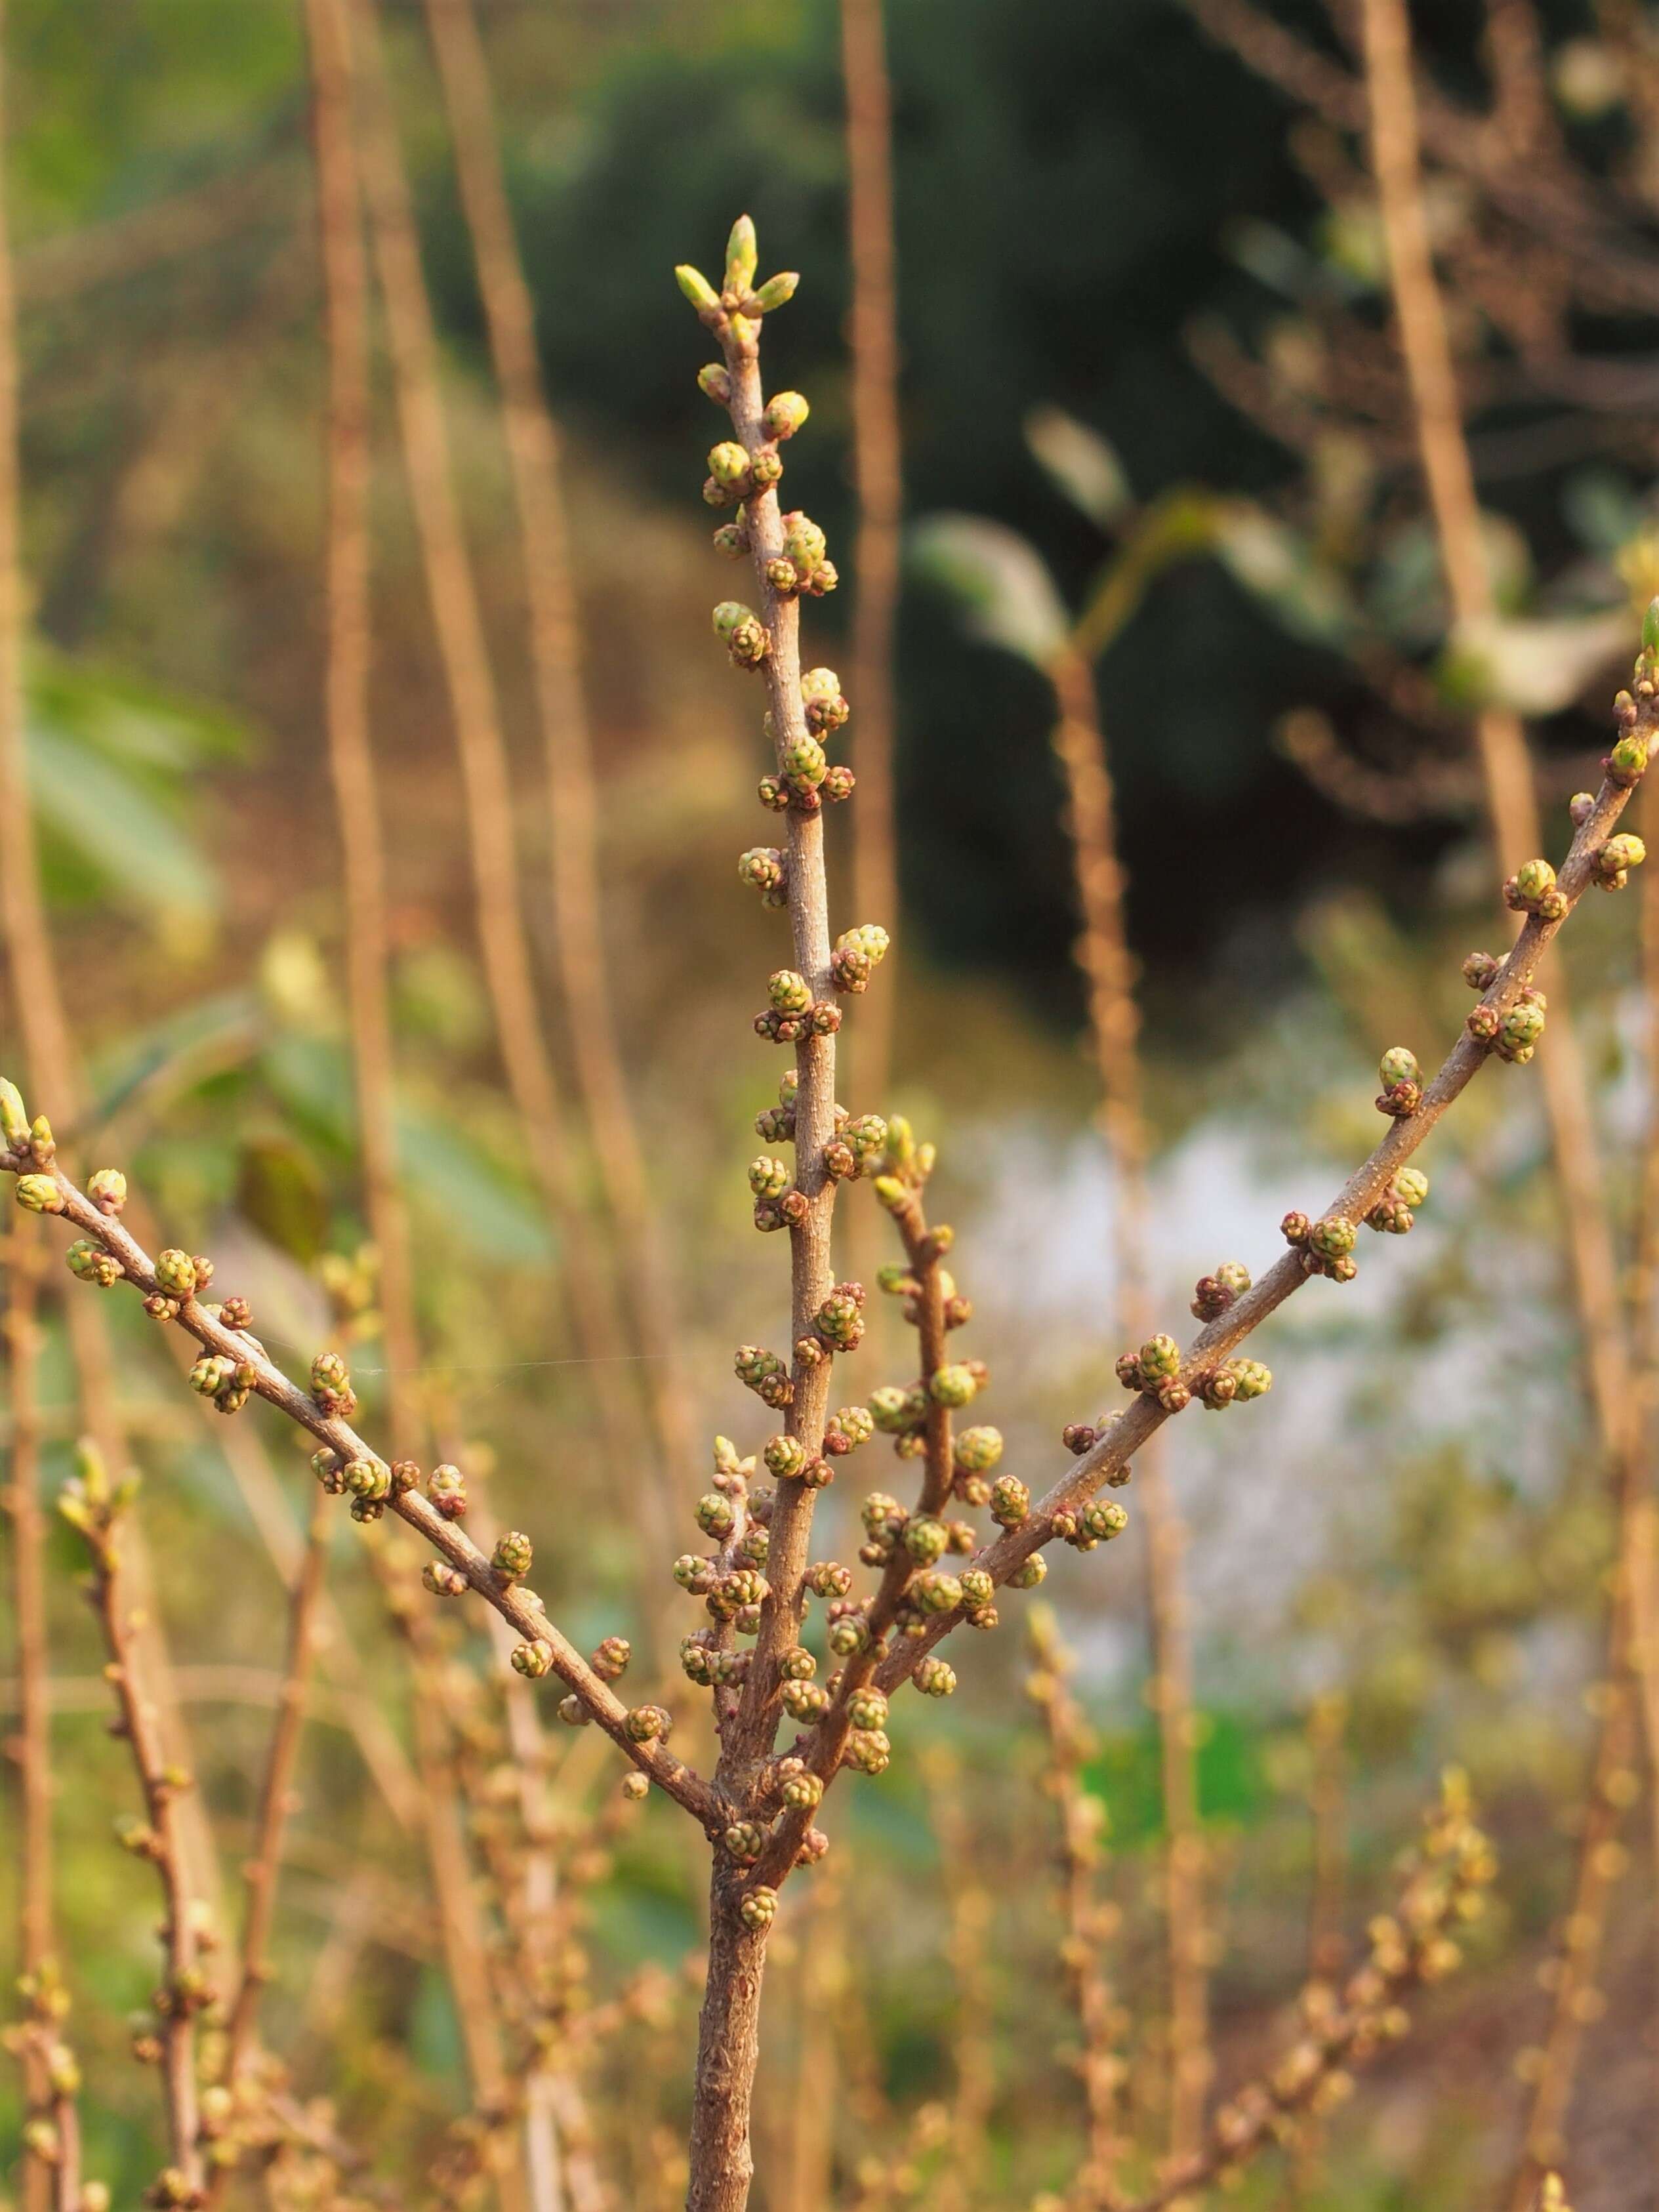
331	1383
765	869
858	954
738	299
1395	1211
765	1374
1533	890
838	1324
1213	1295
793	1013
739	628
1615	859
1446	1883
30	1146
1402	1084
804	565
227	1383
1326	1245
857	1144
1513	1034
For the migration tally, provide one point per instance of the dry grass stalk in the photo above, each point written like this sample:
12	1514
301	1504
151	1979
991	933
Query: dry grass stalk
1426	347
878	479
1104	955
532	444
589	1293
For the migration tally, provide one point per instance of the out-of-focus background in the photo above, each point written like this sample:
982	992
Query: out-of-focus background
1135	266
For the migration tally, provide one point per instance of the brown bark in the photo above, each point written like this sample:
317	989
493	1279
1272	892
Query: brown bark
728	2051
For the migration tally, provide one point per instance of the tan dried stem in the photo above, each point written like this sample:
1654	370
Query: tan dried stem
42	1025
262	1870
1410	1948
1104	955
968	1903
357	806
1426	346
1087	1922
574	829
877	468
30	1749
165	1786
587	1290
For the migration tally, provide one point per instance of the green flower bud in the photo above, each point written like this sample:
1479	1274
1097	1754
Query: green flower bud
786	411
512	1555
937	1592
935	1679
776	291
729	617
1617	857
210	1374
867	1708
1029	1573
697	288
1397	1065
1519	1030
788	992
803	1792
714	382
1253	1379
90	1263
1103	1519
175	1272
533	1660
868	1751
1532	879
649	1723
728	463
1333	1238
731	540
1627	762
1650	627
740	257
1010	1501
1413	1185
759	1907
927	1539
107	1190
848	1635
952	1385
743	1841
38	1194
447	1488
977	1587
804	764
368	1479
769	1178
715	1516
444	1581
978	1449
14	1117
573	1712
798	1664
805	1701
785	1457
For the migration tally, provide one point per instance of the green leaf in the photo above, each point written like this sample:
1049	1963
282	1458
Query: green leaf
1005	594
280	1189
1275	566
109	819
1081	464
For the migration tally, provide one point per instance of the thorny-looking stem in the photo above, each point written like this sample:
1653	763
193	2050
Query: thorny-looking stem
491	818
31	1748
275	1793
727	2047
516	1605
1413	1946
533	443
1088	1922
877	463
1104	954
1116	1447
345	289
185	1988
1431	375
